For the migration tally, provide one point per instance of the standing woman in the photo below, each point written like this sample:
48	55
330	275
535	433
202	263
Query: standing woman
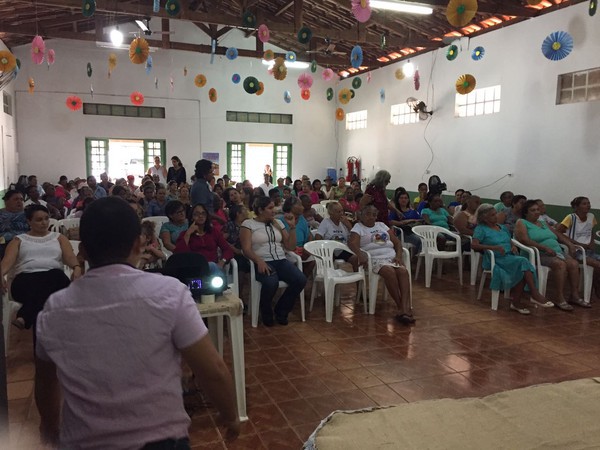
375	195
177	172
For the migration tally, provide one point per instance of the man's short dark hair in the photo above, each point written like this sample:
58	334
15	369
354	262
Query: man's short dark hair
108	229
203	167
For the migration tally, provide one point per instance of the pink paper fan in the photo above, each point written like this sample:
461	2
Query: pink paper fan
328	75
38	47
263	33
361	10
305	81
52	57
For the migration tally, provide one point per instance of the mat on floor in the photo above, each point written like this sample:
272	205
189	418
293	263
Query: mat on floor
549	416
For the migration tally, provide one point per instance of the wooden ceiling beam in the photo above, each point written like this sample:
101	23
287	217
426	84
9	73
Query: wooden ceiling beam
166	38
298	14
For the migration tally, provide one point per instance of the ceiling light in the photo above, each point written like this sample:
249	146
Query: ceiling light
116	37
288	64
142	25
412	8
408	69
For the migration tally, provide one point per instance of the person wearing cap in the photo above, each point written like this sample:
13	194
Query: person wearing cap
328	189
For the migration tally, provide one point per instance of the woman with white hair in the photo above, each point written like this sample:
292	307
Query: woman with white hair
375	195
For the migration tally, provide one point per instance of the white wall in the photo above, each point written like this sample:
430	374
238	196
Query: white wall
52	138
8	145
552	150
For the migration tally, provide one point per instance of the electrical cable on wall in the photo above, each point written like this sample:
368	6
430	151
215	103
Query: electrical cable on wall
430	86
492	183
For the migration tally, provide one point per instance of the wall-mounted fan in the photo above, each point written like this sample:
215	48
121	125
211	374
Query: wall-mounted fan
144	28
419	107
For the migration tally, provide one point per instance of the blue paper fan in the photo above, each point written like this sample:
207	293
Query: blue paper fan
231	53
290	56
287	97
356	56
236	78
156	6
557	45
382	95
478	53
149	65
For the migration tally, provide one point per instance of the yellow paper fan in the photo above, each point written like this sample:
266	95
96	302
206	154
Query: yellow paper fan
200	80
465	84
8	62
399	74
460	12
139	51
344	96
279	69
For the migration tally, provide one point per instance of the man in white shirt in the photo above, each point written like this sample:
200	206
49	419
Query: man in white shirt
267	185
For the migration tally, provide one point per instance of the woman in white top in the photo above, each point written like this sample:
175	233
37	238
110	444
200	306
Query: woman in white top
386	254
38	258
337	227
264	241
159	171
579	229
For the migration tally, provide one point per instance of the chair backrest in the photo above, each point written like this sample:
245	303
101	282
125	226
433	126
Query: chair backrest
428	235
75	246
320	210
324	250
324	202
68	227
52	224
158	223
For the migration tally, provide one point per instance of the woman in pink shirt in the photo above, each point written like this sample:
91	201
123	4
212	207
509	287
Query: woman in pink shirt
307	190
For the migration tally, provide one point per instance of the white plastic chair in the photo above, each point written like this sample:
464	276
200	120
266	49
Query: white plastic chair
400	233
158	223
374	280
323	251
231	271
485	272
9	307
52	224
65	224
325	202
321	210
256	286
430	252
474	259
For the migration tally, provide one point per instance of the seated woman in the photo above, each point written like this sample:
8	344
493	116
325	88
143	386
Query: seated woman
264	240
375	195
436	214
386	252
579	229
545	217
237	215
201	238
337	227
404	216
510	216
510	270
349	203
12	218
533	232
297	208
316	187
457	197
308	190
151	255
173	193
465	220
177	224
312	217
232	197
184	197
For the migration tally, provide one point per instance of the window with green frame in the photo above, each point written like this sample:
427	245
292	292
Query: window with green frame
236	157
97	154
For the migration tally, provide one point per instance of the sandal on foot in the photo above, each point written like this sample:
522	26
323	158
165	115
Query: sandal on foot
523	311
580	302
564	306
19	323
405	319
548	304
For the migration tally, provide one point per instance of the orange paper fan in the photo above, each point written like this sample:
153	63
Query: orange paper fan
305	94
344	96
8	62
261	88
137	98
212	95
279	69
200	80
340	114
139	51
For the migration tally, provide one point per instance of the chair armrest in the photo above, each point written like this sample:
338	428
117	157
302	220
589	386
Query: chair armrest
534	253
294	258
492	259
450	233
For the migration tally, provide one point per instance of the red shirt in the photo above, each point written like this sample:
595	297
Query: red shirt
205	245
380	201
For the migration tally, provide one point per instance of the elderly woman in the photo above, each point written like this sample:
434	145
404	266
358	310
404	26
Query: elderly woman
177	224
510	270
337	227
307	190
375	195
509	216
264	240
535	233
12	218
578	227
385	249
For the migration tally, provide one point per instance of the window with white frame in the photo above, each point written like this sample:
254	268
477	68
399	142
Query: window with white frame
403	114
479	102
356	120
581	86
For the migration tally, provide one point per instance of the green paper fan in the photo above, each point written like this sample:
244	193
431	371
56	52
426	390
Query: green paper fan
356	83
249	19
452	53
329	94
172	7
251	85
313	66
88	8
304	35
352	93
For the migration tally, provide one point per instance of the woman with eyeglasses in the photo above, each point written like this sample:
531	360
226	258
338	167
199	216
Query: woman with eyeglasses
264	242
177	224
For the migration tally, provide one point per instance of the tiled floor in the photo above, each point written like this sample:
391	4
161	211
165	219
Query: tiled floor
296	375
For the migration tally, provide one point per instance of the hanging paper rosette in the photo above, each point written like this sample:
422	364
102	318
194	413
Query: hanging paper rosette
156	6
149	65
51	57
304	35
352	93
305	94
264	34
593	7
361	10
139	51
328	74
305	81
465	84
329	94
452	53
30	85
89	70
417	80
200	80
249	19
231	53
313	66
344	96
8	62
557	45
268	55
287	97
74	103
460	12
290	56
279	69
356	56
340	114
88	8
172	7
382	95
38	48
112	63
261	88
137	98
236	78
478	53
212	95
399	74
356	83
251	85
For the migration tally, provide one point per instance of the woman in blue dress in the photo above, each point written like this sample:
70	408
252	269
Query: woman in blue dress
510	270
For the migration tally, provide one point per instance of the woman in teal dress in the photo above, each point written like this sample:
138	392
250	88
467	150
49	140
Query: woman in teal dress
510	270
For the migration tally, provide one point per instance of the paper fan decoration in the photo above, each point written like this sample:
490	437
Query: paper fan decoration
149	65
139	51
304	35
478	53
236	78
30	85
172	7
329	94
557	45
261	88
356	83
249	19
251	85
340	114
352	93
17	69
200	80
399	74
369	77
592	8
290	56
382	95
137	98
305	81
417	80
212	95
356	56
268	55
8	62
156	6
305	94
465	84
185	71
231	53
264	34
460	12
287	97
328	74
452	53
112	63
89	70
74	103
313	66
88	8
51	57
38	47
279	69
361	10
344	96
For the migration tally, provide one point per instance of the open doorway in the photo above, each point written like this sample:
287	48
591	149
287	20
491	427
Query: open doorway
125	157
247	160
258	156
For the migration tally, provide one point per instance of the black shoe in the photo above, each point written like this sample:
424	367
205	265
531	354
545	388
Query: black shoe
282	320
268	321
405	319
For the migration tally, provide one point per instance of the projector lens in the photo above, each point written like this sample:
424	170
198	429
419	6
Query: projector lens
216	282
